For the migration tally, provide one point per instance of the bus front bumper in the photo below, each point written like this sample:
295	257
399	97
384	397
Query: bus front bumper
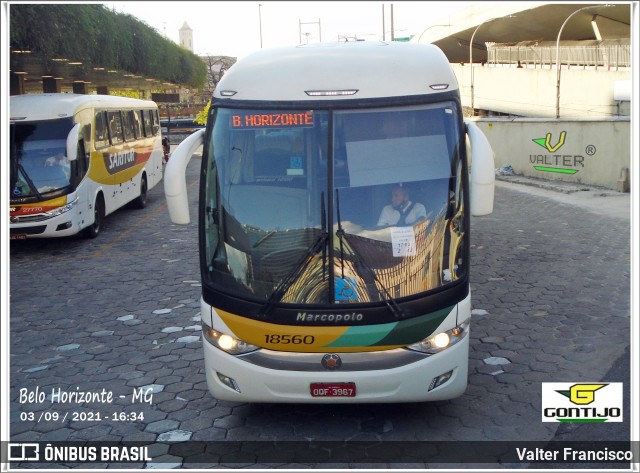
232	378
62	225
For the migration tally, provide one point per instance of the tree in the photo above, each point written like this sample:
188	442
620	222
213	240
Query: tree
217	66
201	117
101	38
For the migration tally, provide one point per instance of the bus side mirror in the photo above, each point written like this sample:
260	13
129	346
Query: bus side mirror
175	179
72	143
482	171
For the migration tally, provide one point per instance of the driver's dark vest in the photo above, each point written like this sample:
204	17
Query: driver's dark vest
404	213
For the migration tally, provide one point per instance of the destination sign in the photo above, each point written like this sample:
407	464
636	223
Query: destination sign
272	120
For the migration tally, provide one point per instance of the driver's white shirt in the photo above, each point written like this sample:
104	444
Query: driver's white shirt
391	216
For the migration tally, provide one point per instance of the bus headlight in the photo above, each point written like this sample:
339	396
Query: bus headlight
226	342
63	209
443	340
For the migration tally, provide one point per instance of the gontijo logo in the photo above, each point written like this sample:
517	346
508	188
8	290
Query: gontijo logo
582	393
581	402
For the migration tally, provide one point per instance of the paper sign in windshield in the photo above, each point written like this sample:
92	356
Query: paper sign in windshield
403	241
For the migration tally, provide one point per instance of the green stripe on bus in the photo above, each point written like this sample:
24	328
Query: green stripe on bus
404	332
363	335
416	329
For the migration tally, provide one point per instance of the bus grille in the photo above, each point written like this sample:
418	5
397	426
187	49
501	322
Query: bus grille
29	218
28	230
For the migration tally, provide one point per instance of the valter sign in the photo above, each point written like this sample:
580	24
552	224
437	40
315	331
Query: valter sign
558	162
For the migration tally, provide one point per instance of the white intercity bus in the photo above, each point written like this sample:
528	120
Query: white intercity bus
335	202
76	158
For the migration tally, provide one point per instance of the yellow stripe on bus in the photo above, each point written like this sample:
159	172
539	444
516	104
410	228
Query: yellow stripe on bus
51	204
294	338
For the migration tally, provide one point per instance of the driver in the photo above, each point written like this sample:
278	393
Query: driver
402	211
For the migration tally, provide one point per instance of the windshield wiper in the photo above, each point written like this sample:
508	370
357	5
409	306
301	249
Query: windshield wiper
383	292
32	186
262	240
303	263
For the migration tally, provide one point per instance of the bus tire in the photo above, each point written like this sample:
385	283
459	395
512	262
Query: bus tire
93	230
140	202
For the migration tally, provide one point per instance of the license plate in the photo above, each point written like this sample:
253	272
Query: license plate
333	389
18	236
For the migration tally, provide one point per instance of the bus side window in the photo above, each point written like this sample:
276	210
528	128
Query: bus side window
85	136
127	125
137	124
84	152
101	134
115	127
156	121
79	166
148	124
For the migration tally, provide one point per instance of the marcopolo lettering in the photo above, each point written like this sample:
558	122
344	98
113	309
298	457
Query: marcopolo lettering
336	318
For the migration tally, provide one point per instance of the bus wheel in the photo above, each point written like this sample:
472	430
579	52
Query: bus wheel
98	210
141	201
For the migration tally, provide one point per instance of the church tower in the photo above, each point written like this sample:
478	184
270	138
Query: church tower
186	37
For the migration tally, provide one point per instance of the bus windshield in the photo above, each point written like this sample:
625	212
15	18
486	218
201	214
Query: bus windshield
334	207
39	163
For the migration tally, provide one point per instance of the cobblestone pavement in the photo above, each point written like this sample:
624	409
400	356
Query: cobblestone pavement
551	302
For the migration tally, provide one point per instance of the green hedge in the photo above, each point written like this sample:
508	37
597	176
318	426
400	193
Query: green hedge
101	37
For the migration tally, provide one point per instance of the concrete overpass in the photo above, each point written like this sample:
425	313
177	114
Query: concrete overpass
511	22
516	41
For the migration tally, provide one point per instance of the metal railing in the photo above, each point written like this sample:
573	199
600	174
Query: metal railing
607	56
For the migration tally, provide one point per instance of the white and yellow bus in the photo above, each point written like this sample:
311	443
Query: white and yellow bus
317	285
77	158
